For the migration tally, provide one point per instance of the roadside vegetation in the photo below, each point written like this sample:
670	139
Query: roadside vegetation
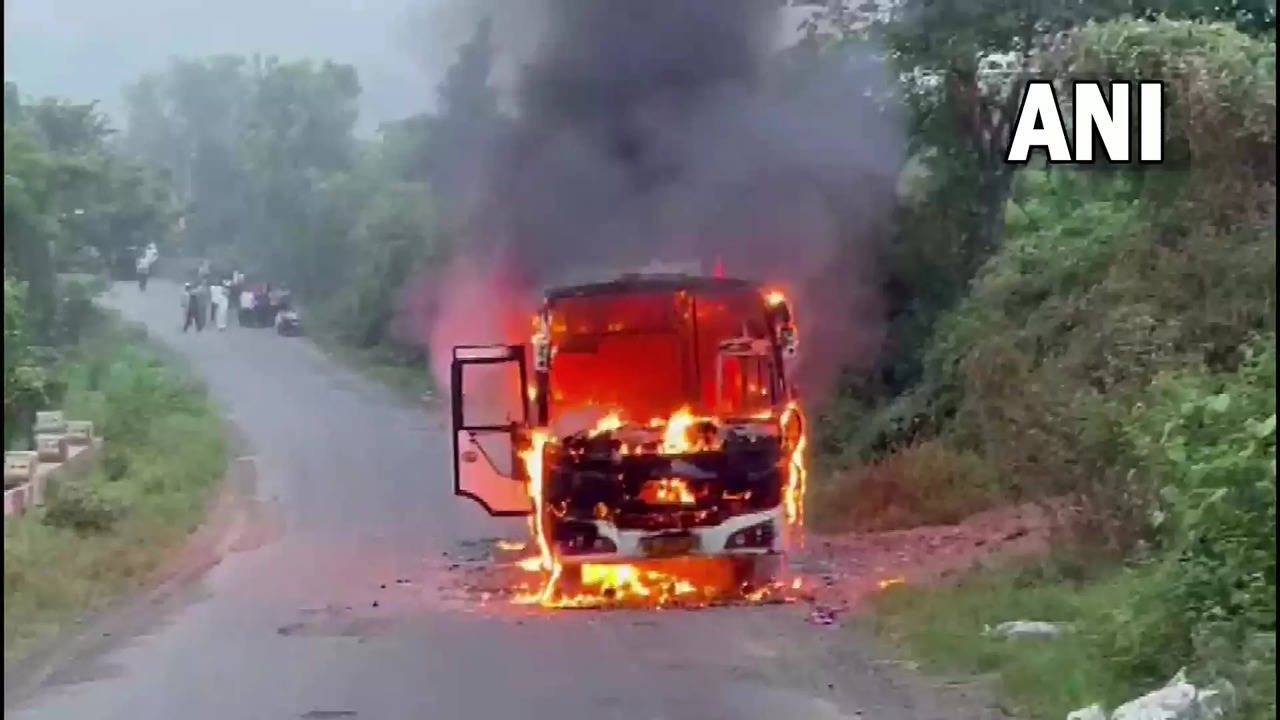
75	211
104	532
1113	347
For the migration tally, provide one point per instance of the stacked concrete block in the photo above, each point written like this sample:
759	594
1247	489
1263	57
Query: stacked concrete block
62	447
19	467
79	432
51	447
19	472
50	422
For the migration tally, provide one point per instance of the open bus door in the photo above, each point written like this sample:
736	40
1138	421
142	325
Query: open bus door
489	414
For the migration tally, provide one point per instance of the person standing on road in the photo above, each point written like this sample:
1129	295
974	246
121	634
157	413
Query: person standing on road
218	294
191	308
143	268
203	303
245	315
262	306
234	289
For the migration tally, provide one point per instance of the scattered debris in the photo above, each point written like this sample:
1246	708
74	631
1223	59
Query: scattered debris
1177	700
1027	630
821	615
1093	712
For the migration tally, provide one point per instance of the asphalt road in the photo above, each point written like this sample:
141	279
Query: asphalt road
354	507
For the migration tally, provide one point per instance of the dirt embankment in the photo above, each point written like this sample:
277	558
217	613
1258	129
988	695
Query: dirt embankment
843	570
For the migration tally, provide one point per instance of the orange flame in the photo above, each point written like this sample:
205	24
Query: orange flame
675	435
532	458
608	423
796	474
773	298
668	491
890	582
609	584
655	584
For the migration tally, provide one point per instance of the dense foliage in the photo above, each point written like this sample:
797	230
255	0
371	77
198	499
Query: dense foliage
1115	347
73	210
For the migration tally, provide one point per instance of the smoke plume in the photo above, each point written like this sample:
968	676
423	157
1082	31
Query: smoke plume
670	130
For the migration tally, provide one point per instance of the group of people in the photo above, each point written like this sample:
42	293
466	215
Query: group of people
204	300
212	301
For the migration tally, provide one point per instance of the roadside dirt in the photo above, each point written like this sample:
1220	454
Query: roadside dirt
833	574
842	571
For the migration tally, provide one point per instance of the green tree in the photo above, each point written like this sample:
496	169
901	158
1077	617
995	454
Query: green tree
190	120
24	381
299	132
31	223
68	196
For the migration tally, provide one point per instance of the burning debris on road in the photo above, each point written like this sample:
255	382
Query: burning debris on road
675	583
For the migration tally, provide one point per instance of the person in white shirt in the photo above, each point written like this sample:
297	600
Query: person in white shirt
246	307
218	301
143	269
235	293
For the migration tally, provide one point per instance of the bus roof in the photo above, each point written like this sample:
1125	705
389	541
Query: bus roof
652	283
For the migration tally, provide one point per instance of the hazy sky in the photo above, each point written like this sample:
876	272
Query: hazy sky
89	49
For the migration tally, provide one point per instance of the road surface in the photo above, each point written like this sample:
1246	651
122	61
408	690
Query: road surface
327	603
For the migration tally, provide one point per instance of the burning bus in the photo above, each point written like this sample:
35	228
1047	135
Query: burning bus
650	418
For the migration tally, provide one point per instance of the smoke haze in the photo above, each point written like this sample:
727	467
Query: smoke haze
668	131
87	49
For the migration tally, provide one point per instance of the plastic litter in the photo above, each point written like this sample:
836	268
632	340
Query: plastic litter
1177	700
1027	630
1093	712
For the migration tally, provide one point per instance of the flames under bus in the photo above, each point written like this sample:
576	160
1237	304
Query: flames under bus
665	414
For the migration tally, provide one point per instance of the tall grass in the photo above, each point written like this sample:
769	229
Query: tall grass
104	533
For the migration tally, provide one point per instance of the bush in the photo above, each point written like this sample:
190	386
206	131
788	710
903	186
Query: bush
115	462
137	390
1118	348
1220	86
103	535
79	506
1208	443
922	484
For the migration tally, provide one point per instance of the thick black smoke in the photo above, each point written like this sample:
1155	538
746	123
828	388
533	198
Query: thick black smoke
668	130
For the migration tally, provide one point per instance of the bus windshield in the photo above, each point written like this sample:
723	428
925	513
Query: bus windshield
644	354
